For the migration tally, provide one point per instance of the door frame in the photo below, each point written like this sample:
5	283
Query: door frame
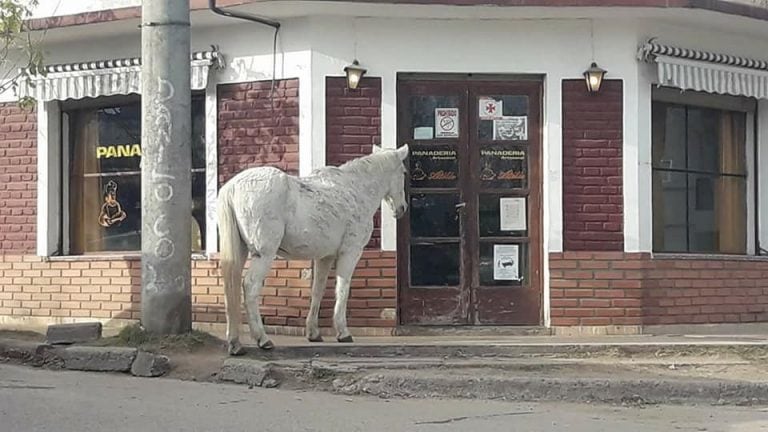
466	185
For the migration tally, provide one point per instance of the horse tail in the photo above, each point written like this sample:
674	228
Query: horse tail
233	252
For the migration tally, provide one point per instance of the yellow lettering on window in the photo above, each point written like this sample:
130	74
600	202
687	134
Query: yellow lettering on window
118	151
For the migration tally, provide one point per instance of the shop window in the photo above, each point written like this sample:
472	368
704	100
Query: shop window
700	181
105	177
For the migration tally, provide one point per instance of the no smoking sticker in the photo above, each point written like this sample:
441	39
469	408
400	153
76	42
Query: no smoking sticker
446	123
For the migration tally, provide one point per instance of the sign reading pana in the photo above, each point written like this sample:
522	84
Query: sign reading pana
118	151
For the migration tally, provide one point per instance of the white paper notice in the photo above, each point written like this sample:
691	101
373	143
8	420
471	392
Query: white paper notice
512	214
490	109
506	259
511	128
423	133
447	123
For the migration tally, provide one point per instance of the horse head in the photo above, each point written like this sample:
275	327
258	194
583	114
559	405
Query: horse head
395	195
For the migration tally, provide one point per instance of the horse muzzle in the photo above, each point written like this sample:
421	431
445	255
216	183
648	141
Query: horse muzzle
400	212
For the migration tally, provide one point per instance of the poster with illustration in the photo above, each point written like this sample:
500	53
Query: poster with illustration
513	128
506	262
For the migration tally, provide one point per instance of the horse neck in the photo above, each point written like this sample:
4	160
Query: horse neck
370	182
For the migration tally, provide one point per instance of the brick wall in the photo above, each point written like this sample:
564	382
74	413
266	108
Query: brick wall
353	126
255	130
18	179
614	288
592	182
111	289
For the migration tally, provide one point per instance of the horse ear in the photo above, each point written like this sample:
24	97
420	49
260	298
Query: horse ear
403	152
376	148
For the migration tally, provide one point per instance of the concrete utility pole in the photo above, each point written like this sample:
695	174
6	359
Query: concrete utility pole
166	161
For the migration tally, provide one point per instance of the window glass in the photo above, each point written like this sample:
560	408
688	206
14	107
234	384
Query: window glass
699	179
105	178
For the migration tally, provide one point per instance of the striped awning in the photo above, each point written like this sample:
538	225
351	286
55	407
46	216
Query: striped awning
104	78
689	69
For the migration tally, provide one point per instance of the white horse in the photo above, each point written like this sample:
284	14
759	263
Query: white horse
326	217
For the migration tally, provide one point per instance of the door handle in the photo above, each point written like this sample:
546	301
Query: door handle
460	205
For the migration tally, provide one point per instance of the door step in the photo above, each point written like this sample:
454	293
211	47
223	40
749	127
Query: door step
472	331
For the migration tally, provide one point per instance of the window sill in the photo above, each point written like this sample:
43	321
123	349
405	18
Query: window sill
126	256
708	257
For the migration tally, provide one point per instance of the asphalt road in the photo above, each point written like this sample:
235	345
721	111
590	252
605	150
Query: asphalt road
33	400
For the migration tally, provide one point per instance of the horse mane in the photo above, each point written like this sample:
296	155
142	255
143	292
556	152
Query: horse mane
380	162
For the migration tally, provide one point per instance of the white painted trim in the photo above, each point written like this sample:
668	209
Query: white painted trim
48	177
388	140
762	177
65	189
751	178
552	185
307	131
318	144
552	163
635	166
637	159
43	192
211	166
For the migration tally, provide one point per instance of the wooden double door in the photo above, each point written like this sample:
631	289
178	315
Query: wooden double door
469	249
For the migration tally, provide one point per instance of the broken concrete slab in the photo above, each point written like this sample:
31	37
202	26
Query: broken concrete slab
148	364
97	359
22	351
250	372
73	333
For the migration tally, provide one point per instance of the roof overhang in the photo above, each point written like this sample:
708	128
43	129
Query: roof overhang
286	8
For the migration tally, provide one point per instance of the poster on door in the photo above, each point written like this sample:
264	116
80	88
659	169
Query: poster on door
490	109
446	123
506	260
514	128
512	214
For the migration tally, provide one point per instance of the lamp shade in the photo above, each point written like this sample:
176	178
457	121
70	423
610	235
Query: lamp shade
354	74
594	77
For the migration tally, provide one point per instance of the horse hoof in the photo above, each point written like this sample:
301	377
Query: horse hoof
345	339
317	338
235	349
266	346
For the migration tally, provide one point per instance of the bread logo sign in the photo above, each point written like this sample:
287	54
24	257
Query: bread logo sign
111	211
118	151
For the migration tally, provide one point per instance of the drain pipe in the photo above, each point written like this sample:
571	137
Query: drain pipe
212	6
253	18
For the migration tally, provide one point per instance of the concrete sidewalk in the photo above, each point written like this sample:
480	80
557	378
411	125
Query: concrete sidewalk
502	346
683	369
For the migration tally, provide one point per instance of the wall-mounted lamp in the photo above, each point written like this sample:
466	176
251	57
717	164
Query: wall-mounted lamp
594	77
354	73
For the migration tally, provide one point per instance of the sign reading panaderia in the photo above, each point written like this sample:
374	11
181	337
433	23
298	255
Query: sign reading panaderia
516	154
118	151
433	167
504	167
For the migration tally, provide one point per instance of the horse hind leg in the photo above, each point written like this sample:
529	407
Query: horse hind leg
254	280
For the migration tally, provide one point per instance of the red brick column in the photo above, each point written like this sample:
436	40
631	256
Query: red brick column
353	126
256	129
592	162
18	179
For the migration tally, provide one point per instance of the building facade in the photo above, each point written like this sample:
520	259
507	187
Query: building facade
533	201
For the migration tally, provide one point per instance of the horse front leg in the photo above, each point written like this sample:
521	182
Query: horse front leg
345	267
321	268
